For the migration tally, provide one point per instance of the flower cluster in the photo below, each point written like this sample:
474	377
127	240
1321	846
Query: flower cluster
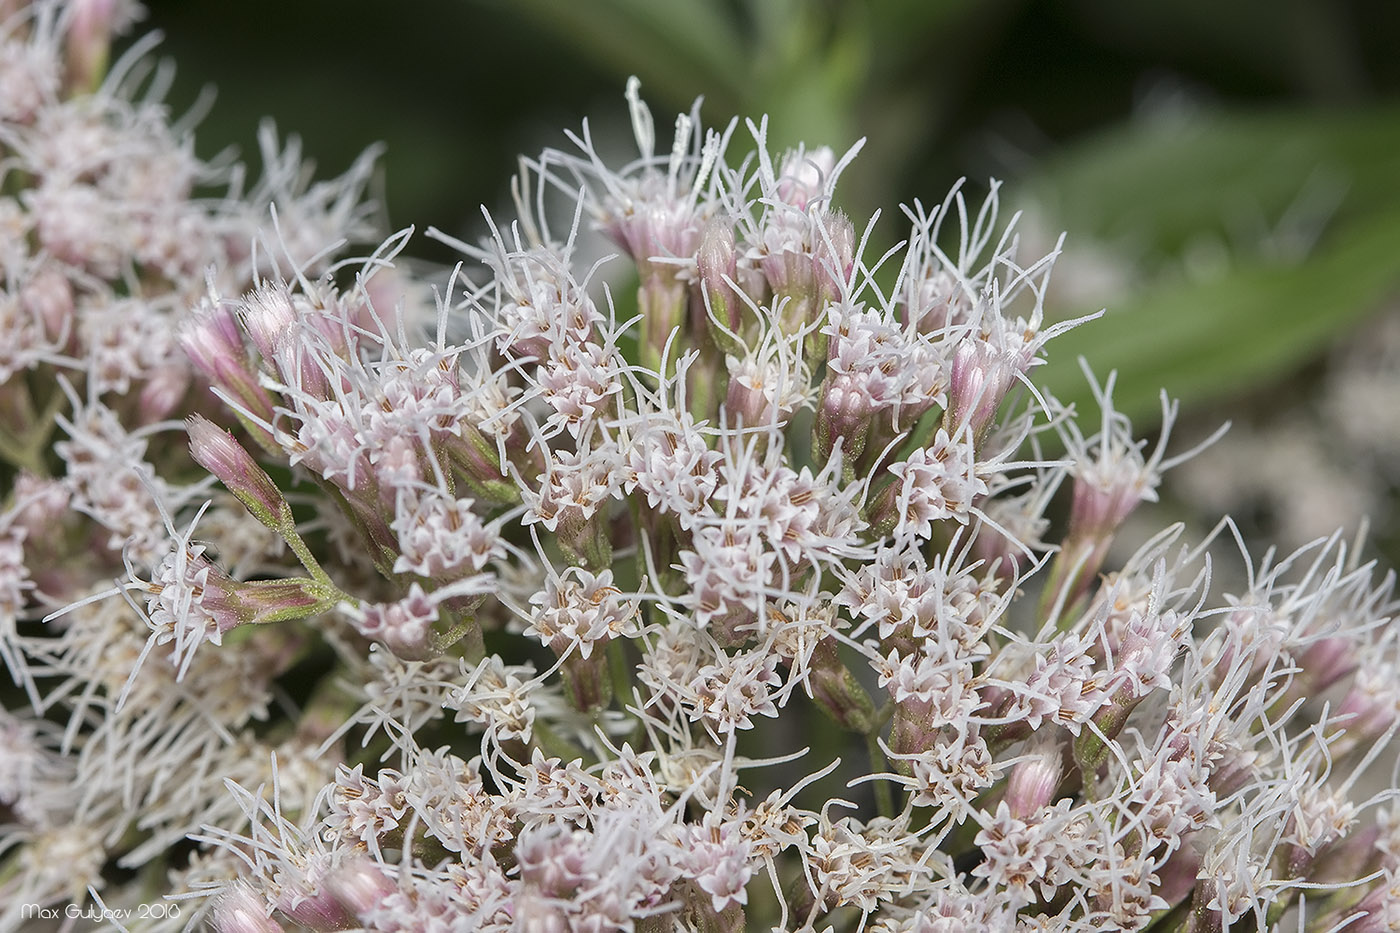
738	599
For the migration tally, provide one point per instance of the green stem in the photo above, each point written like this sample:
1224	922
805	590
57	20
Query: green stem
289	534
556	746
26	450
617	670
884	795
464	628
22	453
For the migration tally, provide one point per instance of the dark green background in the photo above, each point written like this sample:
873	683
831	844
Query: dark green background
456	88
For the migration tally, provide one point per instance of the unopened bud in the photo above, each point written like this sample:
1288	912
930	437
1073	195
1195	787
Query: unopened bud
843	415
265	601
239	911
584	540
214	344
360	885
835	254
299	363
1326	661
1370	707
163	393
981	377
913	729
1093	746
836	690
1100	505
216	450
90	39
48	296
320	912
1034	781
268	317
718	268
332	316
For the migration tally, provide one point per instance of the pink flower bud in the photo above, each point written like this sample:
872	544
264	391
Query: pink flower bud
214	344
1371	705
163	392
981	376
42	503
90	30
914	727
89	39
320	912
837	690
717	265
329	315
360	885
216	450
268	316
1099	507
1034	781
213	338
48	296
239	911
1327	661
844	415
197	602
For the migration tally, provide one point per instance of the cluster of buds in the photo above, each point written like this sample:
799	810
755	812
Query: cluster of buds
511	609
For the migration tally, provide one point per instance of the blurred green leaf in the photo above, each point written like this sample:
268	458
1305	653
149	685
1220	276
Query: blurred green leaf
1303	207
1158	185
1204	340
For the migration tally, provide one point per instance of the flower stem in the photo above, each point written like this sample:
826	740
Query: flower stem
884	796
